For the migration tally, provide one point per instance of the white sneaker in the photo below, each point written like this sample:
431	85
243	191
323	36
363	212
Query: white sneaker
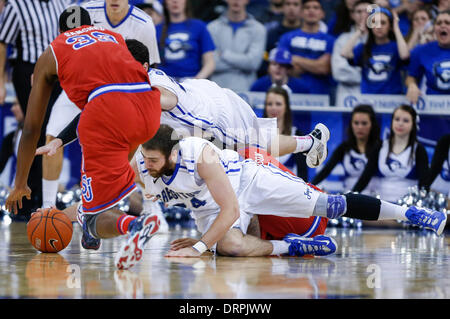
318	152
157	208
139	233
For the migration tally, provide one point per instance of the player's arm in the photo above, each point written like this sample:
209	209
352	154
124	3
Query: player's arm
67	136
45	75
210	170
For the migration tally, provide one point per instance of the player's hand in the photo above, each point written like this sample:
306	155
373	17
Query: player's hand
2	93
15	198
50	148
180	243
183	252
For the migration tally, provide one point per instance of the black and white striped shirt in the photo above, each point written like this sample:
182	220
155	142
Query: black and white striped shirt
31	25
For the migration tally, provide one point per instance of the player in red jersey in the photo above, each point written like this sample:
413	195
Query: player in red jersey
120	110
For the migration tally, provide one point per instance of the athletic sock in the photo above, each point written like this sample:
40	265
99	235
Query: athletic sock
392	211
304	143
280	247
49	192
123	223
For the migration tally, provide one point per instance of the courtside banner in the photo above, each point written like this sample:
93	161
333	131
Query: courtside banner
431	104
298	101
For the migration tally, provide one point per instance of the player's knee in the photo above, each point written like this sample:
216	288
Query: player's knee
232	244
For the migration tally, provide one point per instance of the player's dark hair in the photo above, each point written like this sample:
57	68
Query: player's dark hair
73	17
374	135
287	121
412	135
138	50
306	1
164	140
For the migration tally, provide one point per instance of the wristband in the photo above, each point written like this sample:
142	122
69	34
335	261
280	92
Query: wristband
200	247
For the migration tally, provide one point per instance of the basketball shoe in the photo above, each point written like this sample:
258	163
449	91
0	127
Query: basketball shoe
139	233
427	218
320	245
87	240
318	152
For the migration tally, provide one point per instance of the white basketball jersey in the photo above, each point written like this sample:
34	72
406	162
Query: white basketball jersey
185	187
205	109
136	25
397	172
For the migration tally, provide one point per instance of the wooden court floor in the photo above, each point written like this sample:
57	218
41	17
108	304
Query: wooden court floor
370	263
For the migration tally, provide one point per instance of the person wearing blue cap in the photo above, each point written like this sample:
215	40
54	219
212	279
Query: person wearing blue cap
278	74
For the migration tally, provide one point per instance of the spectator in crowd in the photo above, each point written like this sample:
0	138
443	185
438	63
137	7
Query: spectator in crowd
348	77
382	57
272	14
342	19
208	10
154	9
438	6
405	9
311	49
431	60
291	21
27	25
277	106
421	23
439	177
240	41
400	161
185	44
278	74
363	137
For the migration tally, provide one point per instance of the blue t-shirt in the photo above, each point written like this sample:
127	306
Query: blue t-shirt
264	83
381	74
311	46
433	62
185	44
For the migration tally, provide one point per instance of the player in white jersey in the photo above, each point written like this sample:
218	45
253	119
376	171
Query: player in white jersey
197	106
115	15
224	190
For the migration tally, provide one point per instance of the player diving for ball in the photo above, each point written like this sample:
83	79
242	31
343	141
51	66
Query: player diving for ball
224	190
201	106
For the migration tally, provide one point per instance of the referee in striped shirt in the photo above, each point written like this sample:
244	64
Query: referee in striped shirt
30	26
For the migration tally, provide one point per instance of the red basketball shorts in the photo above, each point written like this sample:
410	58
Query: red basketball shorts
274	227
112	125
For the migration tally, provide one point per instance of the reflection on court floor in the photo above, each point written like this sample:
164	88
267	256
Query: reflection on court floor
370	263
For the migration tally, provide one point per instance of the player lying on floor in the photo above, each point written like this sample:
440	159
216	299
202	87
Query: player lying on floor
224	191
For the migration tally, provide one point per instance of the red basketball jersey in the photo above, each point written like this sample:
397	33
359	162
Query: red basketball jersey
89	57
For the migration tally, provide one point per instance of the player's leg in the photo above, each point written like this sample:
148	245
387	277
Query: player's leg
51	169
237	244
313	145
62	113
365	207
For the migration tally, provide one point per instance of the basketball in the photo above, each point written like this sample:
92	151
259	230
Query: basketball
49	230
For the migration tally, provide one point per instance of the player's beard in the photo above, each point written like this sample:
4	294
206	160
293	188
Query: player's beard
166	170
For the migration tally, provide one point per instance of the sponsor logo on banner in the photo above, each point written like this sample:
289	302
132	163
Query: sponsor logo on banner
433	104
298	101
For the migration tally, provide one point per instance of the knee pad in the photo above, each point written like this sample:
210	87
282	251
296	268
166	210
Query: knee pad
362	207
336	206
